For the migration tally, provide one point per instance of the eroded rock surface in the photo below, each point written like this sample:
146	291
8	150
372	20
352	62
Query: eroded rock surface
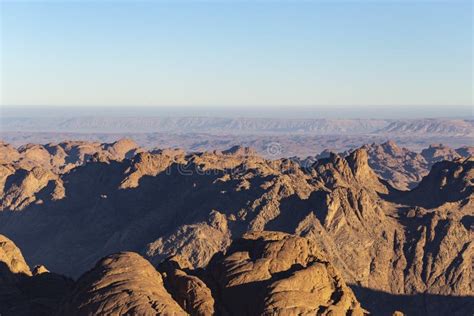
121	284
197	243
191	293
272	273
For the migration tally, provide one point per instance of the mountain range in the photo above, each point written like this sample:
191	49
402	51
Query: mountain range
378	229
240	125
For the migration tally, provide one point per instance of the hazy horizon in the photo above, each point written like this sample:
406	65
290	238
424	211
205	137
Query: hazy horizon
283	112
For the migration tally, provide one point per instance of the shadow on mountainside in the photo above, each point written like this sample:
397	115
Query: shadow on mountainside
383	303
447	181
96	218
293	211
31	295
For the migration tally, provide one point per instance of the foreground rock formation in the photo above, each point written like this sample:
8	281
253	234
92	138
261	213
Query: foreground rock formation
201	220
272	273
121	284
284	275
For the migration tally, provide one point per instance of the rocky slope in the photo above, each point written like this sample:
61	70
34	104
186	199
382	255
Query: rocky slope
208	212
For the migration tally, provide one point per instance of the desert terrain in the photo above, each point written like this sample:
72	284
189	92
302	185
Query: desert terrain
91	228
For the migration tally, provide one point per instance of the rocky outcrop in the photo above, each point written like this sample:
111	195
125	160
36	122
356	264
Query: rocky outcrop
25	186
439	152
191	293
32	155
8	153
121	284
338	171
12	259
448	181
62	157
195	243
364	175
147	164
272	273
264	273
123	148
401	167
439	254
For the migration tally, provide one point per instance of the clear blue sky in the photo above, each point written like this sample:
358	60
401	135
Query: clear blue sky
236	53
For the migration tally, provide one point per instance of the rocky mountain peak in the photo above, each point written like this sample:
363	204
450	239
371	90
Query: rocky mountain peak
358	161
12	258
148	164
391	147
123	148
439	152
20	193
350	171
447	181
8	153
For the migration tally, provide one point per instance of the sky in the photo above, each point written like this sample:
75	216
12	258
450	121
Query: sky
237	53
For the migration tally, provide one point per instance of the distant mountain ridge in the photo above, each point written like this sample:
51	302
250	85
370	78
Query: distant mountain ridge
431	126
216	125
